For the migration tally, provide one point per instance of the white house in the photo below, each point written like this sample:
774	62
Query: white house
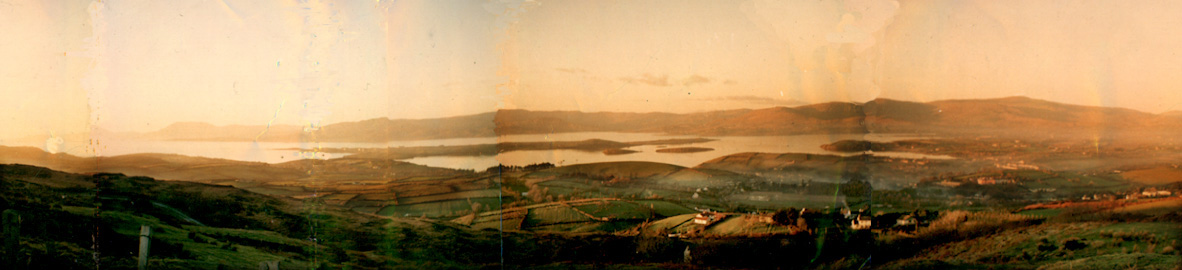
906	220
861	223
705	218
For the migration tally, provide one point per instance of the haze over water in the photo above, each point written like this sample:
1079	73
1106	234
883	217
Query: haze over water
279	152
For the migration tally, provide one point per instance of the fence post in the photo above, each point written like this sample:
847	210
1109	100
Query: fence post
12	239
145	245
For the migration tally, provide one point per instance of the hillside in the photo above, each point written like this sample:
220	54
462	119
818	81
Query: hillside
177	167
1081	245
74	221
1019	112
384	129
78	221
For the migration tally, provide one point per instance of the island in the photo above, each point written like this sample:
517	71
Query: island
618	151
684	150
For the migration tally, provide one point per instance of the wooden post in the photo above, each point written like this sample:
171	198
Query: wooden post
145	245
12	239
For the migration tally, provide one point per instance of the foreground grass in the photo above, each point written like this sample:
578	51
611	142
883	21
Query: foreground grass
1080	245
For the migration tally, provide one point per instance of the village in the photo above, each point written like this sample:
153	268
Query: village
806	221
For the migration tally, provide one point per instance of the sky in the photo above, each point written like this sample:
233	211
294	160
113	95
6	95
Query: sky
74	65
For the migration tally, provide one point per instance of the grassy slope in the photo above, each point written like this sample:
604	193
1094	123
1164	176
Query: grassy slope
1155	175
63	213
1142	245
1141	237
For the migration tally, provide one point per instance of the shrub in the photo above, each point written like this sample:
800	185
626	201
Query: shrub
1046	245
1074	243
786	216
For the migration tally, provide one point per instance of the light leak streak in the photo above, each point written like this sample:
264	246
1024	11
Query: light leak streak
270	122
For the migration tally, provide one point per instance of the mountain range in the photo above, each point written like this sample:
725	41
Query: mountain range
1012	114
879	116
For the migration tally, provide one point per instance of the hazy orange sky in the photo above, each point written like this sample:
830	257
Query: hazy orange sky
140	65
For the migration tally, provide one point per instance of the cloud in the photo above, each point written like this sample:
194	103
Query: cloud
695	80
755	100
663	80
648	79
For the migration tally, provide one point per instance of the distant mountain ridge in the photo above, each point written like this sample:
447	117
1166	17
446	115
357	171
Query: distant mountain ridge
385	129
879	115
372	130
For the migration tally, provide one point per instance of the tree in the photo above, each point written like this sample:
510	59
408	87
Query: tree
537	193
476	206
786	216
856	187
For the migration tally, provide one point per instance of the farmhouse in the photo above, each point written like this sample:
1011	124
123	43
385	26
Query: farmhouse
861	223
846	213
906	220
705	218
1153	192
947	183
992	181
1021	165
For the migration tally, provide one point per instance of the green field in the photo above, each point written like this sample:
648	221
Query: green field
579	215
742	225
777	200
212	248
674	224
1042	212
483	193
1064	181
733	225
665	208
435	209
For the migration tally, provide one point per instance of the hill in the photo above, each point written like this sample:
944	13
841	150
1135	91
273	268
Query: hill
385	129
1018	112
178	167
